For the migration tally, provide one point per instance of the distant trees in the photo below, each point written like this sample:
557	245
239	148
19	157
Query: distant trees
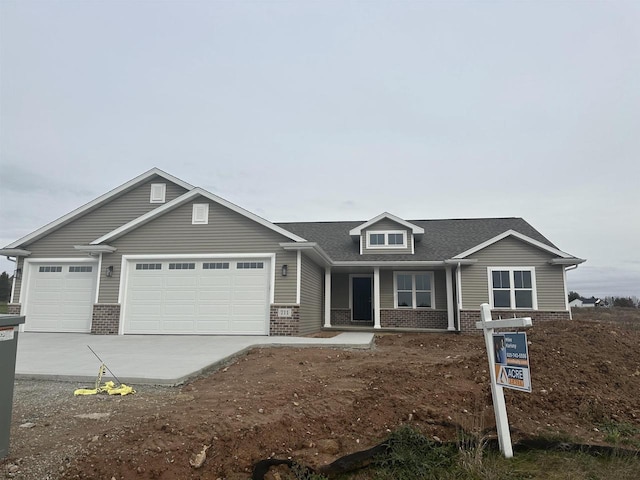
5	287
573	296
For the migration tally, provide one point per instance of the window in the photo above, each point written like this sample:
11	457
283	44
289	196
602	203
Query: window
247	265
80	269
49	269
148	266
158	191
200	215
216	266
182	266
414	289
512	288
387	239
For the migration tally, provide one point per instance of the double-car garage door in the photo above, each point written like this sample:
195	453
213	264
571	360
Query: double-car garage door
169	296
201	296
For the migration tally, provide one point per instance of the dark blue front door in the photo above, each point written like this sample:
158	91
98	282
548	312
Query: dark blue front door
361	291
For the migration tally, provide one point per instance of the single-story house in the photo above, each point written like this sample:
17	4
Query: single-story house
157	255
585	302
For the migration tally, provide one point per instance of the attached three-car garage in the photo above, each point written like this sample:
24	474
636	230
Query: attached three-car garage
196	296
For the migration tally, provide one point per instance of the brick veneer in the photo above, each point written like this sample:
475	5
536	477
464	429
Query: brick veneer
13	308
284	326
340	316
106	319
468	318
409	318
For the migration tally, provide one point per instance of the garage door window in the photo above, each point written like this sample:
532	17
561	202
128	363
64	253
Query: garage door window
49	269
83	269
148	266
247	265
216	266
182	266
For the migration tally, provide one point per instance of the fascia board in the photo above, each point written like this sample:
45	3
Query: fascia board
95	248
96	202
517	235
14	252
308	247
461	261
567	261
414	228
147	217
383	263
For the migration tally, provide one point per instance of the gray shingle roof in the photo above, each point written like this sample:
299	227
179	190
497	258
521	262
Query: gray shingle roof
443	239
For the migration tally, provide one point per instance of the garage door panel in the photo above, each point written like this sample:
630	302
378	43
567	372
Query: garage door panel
60	301
195	301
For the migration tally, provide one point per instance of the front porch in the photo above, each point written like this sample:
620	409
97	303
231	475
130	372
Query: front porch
385	298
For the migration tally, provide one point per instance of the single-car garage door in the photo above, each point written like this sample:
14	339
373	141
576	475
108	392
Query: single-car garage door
60	296
220	296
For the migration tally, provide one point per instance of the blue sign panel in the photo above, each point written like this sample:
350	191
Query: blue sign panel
511	355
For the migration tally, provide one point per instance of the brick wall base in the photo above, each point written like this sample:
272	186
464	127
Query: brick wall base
340	316
13	308
468	318
106	319
284	326
409	318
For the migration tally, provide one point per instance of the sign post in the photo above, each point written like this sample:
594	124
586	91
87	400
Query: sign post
497	393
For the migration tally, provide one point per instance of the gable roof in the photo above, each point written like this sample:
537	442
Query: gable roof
181	200
442	240
101	200
520	236
414	228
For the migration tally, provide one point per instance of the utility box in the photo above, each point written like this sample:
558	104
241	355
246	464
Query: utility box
8	349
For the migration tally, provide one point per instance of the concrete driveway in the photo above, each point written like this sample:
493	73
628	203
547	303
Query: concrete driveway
148	359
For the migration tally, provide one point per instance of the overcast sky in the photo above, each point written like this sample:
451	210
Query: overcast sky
300	110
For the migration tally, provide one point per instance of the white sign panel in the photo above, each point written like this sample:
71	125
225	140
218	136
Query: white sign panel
6	333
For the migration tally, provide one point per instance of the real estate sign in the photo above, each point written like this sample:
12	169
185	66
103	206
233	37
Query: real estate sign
511	356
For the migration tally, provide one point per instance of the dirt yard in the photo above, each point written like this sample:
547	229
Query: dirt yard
315	405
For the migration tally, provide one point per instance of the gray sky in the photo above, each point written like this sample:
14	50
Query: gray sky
299	110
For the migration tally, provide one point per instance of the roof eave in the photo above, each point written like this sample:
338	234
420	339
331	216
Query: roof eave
14	252
95	249
567	261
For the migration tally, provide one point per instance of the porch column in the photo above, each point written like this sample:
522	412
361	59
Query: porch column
450	313
327	297
376	297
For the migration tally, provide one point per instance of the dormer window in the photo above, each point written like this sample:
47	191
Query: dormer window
387	239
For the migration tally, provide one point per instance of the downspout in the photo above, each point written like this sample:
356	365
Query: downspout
566	293
459	293
13	286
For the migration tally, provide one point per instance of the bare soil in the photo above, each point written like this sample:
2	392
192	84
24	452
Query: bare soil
315	405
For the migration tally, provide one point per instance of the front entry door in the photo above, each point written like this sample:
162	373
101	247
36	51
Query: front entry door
361	299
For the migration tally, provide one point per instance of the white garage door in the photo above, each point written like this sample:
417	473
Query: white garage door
60	296
221	296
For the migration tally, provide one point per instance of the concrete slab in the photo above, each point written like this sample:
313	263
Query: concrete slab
148	359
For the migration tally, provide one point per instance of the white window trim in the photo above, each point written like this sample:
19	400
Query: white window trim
386	238
200	214
413	286
512	289
158	193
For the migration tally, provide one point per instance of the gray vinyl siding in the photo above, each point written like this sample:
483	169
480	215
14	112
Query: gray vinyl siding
511	252
311	298
16	293
386	289
95	223
386	224
340	290
227	232
102	220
